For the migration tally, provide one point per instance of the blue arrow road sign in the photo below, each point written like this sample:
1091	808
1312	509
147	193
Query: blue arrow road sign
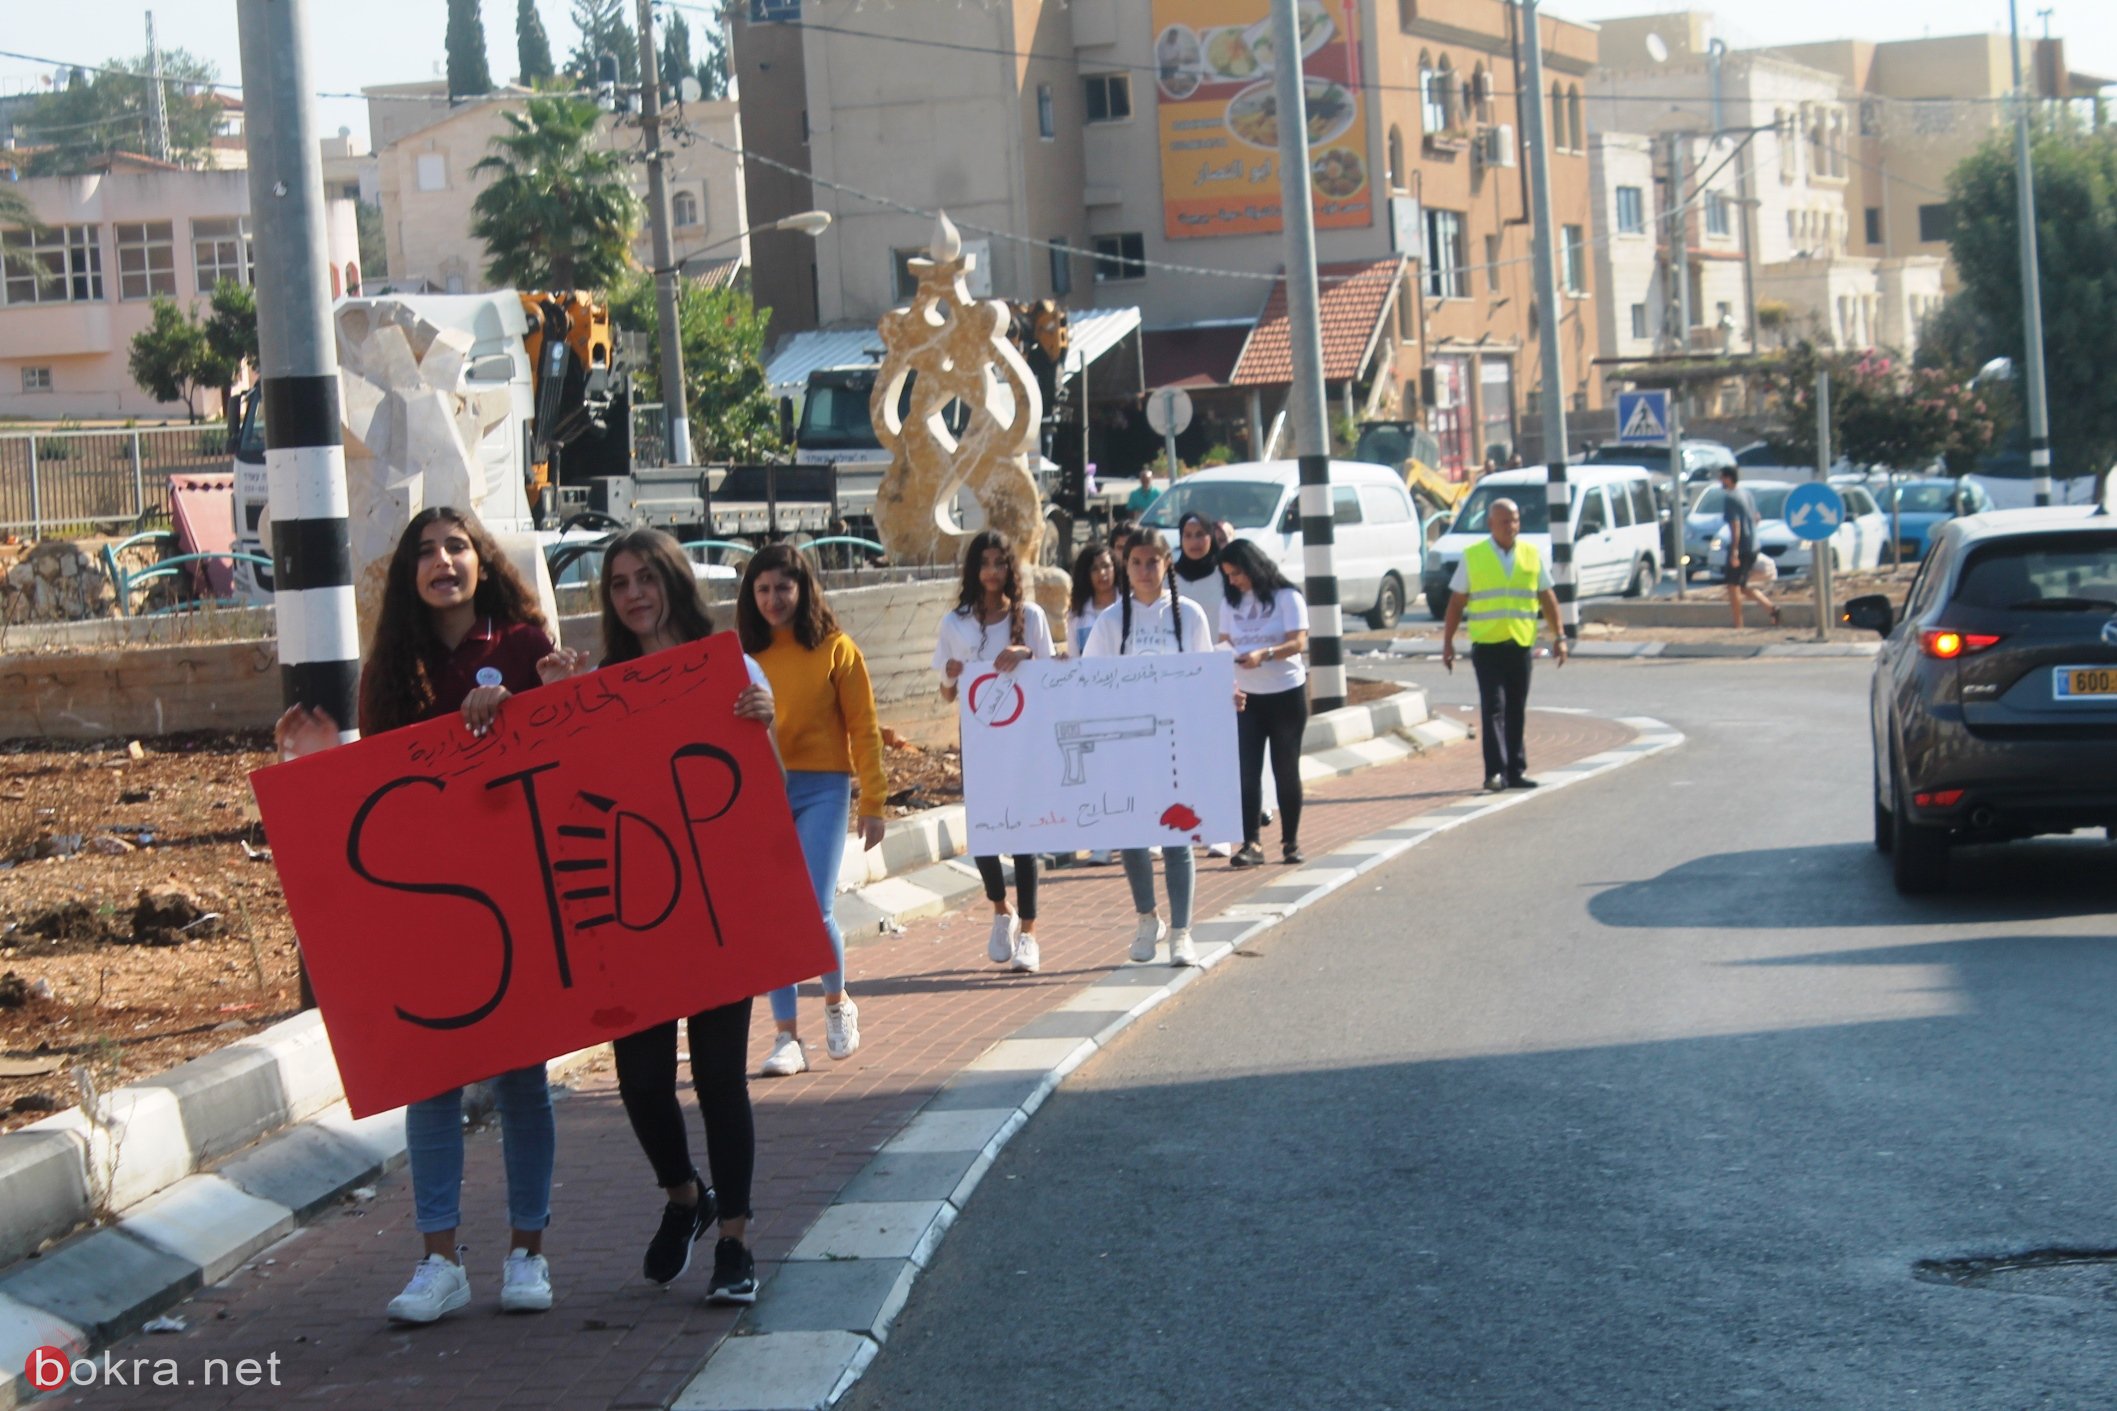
1814	510
1643	418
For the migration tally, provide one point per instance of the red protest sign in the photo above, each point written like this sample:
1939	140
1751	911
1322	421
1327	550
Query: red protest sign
616	852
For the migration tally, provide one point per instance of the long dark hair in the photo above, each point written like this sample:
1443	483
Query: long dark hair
397	685
683	606
1254	564
1084	574
813	620
1150	539
971	599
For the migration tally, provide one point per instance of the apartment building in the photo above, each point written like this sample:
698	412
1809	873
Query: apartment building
1135	136
1641	307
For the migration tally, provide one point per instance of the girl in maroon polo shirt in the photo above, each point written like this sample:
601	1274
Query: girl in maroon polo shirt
458	630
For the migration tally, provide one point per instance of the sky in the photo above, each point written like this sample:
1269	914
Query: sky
361	42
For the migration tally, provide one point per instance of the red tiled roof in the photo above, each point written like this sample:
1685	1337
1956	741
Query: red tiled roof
1353	299
1190	357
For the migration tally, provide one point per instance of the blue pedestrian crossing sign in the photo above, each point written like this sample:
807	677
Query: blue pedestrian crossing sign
1643	418
1814	510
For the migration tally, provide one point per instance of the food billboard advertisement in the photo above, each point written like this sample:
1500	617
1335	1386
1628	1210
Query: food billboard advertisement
1213	64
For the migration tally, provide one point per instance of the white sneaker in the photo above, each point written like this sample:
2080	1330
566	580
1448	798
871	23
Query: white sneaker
525	1283
1148	936
841	1028
1221	850
438	1286
999	946
1181	951
1026	956
1497	784
785	1060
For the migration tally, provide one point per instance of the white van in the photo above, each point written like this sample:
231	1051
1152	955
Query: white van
1376	529
1617	532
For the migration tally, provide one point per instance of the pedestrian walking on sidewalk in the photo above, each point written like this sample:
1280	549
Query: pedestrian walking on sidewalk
1739	513
1196	574
651	603
993	621
1498	589
458	631
1153	619
824	708
1264	619
1094	589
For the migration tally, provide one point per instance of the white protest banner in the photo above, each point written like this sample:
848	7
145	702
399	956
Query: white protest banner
1102	752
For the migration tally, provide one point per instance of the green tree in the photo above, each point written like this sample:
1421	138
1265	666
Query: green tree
95	115
606	26
14	210
231	339
468	74
712	69
558	213
675	59
532	45
732	414
171	360
374	245
2075	175
1881	411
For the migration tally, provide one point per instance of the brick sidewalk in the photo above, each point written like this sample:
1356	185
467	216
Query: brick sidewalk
930	1003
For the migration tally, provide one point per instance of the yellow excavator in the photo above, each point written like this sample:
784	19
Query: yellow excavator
1411	450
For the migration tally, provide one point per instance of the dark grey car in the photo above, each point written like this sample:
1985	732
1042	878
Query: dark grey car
1994	702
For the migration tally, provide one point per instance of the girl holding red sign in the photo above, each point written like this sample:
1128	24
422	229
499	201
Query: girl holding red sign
993	622
827	729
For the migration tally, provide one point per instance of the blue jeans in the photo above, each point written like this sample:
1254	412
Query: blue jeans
433	1137
820	799
1177	869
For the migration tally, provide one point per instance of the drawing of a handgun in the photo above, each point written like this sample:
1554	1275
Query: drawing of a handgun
1078	738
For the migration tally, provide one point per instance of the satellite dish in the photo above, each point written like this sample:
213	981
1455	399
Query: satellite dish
688	91
1657	49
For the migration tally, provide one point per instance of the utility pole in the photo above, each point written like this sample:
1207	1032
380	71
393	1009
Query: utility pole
1306	398
1822	561
2031	284
1557	492
312	554
157	99
665	273
1679	243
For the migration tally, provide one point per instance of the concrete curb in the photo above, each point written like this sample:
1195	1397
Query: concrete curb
1431	647
820	1320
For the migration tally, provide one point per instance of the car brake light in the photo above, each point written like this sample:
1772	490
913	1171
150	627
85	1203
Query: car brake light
1947	644
1945	798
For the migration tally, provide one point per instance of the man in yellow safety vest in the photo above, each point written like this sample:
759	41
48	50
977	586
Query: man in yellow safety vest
1498	589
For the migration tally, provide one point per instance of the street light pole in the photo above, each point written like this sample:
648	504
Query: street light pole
2031	285
1557	492
665	303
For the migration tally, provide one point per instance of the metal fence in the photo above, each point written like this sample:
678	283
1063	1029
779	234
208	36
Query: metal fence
79	482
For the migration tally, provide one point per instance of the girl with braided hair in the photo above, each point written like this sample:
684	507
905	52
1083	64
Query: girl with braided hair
993	621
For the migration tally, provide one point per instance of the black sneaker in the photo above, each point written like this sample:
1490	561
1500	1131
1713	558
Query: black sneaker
669	1252
1248	855
1521	781
1292	855
734	1273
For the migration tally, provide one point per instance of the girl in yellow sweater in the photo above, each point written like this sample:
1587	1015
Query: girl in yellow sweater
827	732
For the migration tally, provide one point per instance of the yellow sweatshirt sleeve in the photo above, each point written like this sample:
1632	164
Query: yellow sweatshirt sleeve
863	729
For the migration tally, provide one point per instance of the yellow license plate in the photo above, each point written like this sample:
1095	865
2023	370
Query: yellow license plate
2077	682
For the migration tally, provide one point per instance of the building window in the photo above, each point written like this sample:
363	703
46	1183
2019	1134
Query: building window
36	379
1556	138
1120	257
146	260
1576	129
1716	205
1573	258
1046	113
1936	222
61	264
1444	95
433	171
904	285
1407	14
1639	320
1433	100
1631	210
1492	263
1397	172
1445	275
1480	95
220	249
683	209
1874	225
1109	96
1061	268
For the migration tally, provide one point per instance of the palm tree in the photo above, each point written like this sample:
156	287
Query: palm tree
558	214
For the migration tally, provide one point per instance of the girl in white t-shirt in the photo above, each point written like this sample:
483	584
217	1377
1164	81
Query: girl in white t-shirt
1094	589
994	622
1265	621
1153	619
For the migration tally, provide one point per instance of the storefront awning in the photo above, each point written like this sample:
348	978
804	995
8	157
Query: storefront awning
1353	300
1192	357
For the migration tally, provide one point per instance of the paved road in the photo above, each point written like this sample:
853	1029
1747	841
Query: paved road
1650	1095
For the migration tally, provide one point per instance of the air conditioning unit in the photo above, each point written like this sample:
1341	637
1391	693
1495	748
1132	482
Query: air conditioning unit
1498	145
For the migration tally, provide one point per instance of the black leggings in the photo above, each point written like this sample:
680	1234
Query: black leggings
1024	882
1277	718
646	1080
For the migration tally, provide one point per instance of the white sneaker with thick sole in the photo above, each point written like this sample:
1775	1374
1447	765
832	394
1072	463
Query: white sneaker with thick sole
999	945
438	1286
1181	951
841	1028
1026	956
525	1283
1151	930
785	1060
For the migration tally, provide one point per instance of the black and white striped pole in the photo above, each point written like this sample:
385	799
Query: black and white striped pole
1305	397
1550	312
312	562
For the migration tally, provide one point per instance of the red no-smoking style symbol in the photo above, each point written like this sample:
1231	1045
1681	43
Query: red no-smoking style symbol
1005	712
